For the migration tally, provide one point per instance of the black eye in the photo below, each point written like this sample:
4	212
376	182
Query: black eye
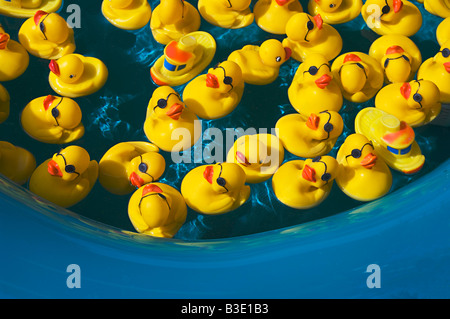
332	5
326	177
228	80
310	25
386	63
42	27
162	103
313	70
278	59
328	127
386	9
70	169
356	153
405	57
143	167
446	53
221	181
55	112
360	65
162	196
417	97
71	76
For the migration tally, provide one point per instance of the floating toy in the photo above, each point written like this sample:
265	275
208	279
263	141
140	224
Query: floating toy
260	65
443	31
14	57
398	55
217	93
47	36
393	140
16	163
169	124
307	34
359	76
27	8
440	8
66	178
127	14
392	17
259	155
437	70
75	75
184	59
416	102
272	15
335	11
128	166
363	175
4	104
230	14
304	184
52	119
215	189
157	210
173	19
313	89
311	136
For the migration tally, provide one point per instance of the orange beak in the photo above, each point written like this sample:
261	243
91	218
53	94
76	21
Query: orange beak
318	20
242	159
288	52
151	188
53	169
447	66
212	81
282	2
369	161
405	90
323	81
398	4
309	174
54	67
208	173
175	111
4	38
136	180
313	121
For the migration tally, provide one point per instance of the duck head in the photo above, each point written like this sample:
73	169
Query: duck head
120	4
69	68
155	205
224	177
443	56
396	64
420	94
252	152
319	171
62	111
358	152
172	11
329	6
390	9
237	5
273	54
325	125
353	73
224	77
145	168
51	26
303	27
69	163
165	104
316	71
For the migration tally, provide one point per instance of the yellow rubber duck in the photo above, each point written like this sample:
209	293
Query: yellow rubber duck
215	189
394	140
359	76
157	210
363	175
260	65
304	184
66	178
443	31
217	93
169	124
335	11
27	8
14	57
229	14
437	70
416	102
4	104
272	15
47	36
440	8
52	119
398	55
16	163
259	155
173	19
184	59
311	136
127	14
392	17
307	34
75	75
313	89
128	166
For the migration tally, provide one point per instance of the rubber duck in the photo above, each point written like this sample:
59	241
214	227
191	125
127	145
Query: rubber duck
307	34
173	19
75	75
272	15
443	31
52	119
359	76
27	8
16	163
392	17
335	11
215	189
229	14
259	155
393	140
169	124
303	184
157	210
260	65
313	89
312	136
363	175
66	178
217	93
127	14
14	57
128	166
184	59
47	36
415	102
437	70
440	8
4	104
398	55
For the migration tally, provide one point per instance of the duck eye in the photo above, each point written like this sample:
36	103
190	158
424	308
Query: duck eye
356	153
386	9
143	167
359	65
42	27
446	53
328	127
417	97
162	103
405	57
71	76
278	59
332	5
326	177
162	196
228	80
55	112
313	70
310	25
221	181
70	169
386	63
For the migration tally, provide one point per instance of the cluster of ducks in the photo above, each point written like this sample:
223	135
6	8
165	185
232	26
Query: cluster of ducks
407	91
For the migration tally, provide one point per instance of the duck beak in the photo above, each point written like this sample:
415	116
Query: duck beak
208	174
175	111
151	189
309	174
288	52
212	81
4	39
323	81
282	2
48	101
313	122
53	169
447	66
405	90
398	4
319	21
369	161
242	159
136	180
54	67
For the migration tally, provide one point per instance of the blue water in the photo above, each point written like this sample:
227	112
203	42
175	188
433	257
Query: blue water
117	112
